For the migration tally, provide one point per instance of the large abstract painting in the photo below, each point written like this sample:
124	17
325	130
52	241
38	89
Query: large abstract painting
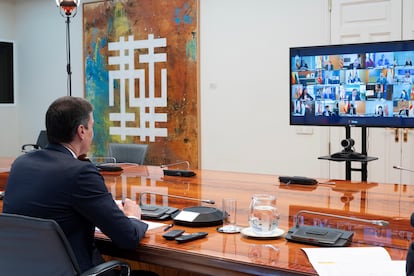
141	75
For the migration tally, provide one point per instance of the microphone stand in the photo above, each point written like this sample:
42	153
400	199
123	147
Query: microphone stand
178	163
68	66
402	169
408	170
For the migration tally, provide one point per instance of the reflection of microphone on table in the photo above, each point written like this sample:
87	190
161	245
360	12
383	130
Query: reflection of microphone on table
185	173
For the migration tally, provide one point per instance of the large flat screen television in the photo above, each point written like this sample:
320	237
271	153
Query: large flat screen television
6	73
365	84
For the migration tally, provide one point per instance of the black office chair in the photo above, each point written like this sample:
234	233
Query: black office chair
128	153
40	143
34	246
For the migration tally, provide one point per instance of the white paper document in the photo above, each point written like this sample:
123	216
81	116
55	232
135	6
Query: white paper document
187	216
355	261
153	225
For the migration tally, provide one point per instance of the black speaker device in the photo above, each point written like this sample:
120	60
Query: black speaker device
298	180
207	216
183	173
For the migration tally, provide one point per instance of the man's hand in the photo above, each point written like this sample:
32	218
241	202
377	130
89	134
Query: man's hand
130	208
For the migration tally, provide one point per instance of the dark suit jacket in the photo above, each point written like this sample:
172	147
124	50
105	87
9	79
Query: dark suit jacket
52	184
357	98
410	261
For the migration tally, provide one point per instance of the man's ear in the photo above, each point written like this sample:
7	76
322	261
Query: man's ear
81	131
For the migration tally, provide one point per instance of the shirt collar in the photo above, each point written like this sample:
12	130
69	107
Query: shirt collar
73	154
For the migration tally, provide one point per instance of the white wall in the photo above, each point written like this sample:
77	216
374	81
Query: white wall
244	79
8	113
245	84
41	38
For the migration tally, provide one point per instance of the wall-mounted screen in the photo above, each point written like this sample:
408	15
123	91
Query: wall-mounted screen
366	84
6	73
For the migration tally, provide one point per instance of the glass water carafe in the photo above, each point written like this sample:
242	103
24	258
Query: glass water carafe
263	214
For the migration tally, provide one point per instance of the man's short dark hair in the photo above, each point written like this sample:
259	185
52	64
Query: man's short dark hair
64	116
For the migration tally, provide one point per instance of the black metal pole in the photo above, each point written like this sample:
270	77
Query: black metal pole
364	167
348	168
68	68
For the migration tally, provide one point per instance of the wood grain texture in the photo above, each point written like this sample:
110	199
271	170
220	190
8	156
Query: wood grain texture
235	254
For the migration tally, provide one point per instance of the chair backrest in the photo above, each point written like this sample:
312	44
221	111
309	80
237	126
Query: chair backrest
41	142
42	139
128	153
34	246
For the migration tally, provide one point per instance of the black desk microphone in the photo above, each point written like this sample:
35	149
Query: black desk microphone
375	222
209	201
324	236
101	167
184	173
150	211
206	216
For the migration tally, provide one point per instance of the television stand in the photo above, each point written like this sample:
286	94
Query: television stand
351	156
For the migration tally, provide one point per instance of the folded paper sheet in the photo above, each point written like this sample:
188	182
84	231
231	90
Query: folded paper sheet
338	261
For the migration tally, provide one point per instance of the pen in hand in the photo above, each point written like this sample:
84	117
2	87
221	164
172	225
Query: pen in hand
169	226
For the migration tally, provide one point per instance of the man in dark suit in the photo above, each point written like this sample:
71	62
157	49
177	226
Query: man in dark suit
354	96
327	111
53	183
409	267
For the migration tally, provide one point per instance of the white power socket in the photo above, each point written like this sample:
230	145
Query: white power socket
304	130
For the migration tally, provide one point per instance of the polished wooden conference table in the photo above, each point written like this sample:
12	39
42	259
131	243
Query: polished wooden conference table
235	254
